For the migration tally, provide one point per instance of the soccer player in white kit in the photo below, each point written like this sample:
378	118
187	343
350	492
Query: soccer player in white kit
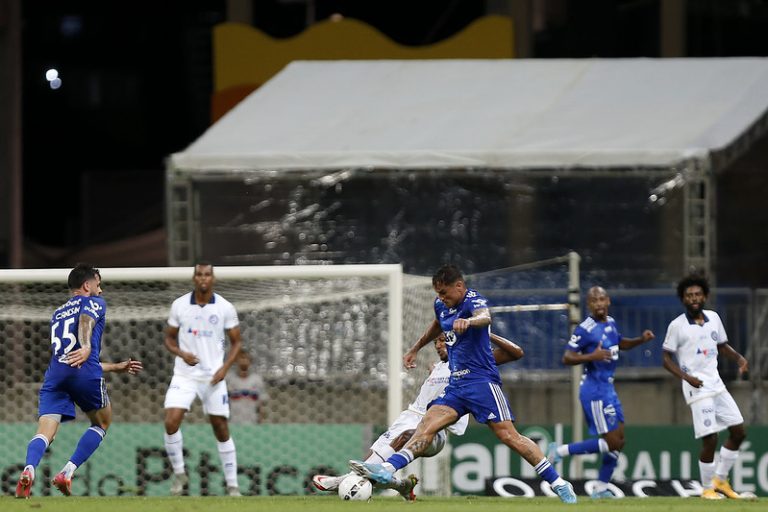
405	425
197	326
696	338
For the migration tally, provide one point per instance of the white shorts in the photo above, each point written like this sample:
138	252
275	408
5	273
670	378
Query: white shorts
183	390
714	414
408	420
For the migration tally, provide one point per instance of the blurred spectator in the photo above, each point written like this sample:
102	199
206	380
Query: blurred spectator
247	392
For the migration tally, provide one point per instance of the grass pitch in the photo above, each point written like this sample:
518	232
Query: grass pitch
334	504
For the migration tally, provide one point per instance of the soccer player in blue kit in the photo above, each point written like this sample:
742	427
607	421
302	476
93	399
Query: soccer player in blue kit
74	376
596	343
474	385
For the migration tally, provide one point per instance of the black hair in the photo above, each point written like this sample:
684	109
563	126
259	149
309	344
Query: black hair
80	274
447	274
203	263
692	280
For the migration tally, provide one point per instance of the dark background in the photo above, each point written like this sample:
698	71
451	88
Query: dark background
137	83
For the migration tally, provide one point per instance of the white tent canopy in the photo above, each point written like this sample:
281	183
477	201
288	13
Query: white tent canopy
497	114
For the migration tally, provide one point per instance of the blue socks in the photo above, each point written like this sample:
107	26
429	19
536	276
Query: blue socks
401	459
90	440
546	471
36	450
582	447
610	461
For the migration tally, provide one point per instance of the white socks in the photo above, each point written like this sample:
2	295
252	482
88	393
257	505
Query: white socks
174	446
706	472
381	454
727	460
228	461
69	469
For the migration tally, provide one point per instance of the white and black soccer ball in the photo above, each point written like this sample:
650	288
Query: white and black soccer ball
355	487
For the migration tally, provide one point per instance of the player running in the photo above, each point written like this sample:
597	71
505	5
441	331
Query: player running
474	385
404	426
74	376
596	343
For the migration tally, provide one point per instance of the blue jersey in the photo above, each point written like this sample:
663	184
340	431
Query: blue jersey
64	327
469	354
585	339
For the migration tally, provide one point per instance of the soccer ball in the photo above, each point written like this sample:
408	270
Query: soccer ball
355	487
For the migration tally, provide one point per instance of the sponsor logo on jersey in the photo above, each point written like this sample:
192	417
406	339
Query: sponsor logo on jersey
707	352
480	303
200	333
460	373
93	308
491	416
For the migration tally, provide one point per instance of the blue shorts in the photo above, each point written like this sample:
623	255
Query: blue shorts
603	413
484	400
59	396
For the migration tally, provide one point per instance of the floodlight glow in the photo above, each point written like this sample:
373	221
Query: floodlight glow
55	83
52	74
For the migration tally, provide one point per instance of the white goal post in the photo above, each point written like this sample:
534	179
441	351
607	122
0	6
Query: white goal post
393	274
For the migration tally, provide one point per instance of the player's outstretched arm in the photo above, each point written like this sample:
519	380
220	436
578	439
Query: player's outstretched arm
505	350
129	366
432	332
727	351
630	343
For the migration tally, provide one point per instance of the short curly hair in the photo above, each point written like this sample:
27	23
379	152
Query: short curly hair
692	280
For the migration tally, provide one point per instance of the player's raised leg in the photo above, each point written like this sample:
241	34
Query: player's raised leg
88	444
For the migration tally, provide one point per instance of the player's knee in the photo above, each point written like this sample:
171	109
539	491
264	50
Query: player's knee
738	435
616	444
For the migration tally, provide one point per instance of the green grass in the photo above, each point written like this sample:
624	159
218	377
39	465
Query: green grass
333	504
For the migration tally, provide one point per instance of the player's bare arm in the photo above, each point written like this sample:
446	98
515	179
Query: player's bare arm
171	341
672	367
129	366
571	358
505	350
630	343
76	358
236	344
432	332
480	318
727	351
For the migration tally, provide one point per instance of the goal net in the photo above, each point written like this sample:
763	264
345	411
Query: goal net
326	340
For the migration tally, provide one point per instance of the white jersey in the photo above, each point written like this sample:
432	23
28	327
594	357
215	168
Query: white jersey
202	332
432	388
695	347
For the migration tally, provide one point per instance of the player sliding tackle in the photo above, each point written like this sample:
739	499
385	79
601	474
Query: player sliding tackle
404	426
474	385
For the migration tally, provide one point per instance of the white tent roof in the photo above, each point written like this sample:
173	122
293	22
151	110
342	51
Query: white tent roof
486	114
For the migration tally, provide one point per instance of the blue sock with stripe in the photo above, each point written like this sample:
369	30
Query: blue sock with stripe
610	461
546	471
36	449
88	443
400	459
